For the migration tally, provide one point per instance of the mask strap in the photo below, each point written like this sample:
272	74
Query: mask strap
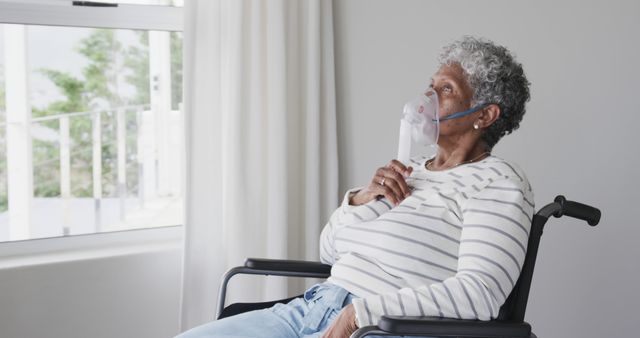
464	113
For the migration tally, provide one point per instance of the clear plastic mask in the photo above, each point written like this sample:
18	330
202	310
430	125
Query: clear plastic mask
421	120
419	124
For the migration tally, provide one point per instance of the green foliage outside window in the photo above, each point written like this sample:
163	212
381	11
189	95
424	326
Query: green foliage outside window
176	70
2	104
109	66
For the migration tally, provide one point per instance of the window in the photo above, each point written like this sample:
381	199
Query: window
90	120
143	2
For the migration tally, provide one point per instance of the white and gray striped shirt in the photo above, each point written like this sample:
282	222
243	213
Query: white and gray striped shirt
454	248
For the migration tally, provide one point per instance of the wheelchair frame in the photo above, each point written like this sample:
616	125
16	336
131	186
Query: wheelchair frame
509	322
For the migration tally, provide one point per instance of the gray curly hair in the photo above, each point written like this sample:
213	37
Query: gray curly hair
495	77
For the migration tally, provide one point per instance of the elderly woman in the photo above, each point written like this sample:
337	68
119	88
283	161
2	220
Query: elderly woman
445	237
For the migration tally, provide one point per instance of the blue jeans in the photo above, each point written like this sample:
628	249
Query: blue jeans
307	317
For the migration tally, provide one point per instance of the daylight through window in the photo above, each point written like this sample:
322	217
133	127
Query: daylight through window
90	130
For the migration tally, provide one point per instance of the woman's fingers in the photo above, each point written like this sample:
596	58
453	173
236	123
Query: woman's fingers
400	182
391	184
404	172
396	187
380	188
388	194
400	168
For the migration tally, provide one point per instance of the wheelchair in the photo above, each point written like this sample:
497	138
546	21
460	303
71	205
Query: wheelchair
509	322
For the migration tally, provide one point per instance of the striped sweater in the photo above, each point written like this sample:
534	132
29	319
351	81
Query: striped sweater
454	248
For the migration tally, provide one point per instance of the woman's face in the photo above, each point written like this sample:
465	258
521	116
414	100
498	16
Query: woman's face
454	95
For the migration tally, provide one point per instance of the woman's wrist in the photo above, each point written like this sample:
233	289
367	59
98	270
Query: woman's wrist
353	198
359	198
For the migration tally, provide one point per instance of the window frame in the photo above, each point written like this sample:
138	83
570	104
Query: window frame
57	13
95	245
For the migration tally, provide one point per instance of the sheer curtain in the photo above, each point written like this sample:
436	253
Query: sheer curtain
261	141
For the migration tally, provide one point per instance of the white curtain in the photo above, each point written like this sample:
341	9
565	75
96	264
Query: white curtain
261	141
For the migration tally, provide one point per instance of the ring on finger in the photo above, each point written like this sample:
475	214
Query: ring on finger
382	181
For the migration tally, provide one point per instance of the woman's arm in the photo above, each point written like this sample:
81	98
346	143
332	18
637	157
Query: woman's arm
346	215
386	189
491	254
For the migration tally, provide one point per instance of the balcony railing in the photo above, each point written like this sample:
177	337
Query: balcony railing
142	146
123	170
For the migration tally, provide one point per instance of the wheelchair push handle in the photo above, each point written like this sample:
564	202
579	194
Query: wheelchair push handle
578	210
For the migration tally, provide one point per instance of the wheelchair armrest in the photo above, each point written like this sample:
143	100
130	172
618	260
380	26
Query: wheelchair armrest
448	327
282	265
273	267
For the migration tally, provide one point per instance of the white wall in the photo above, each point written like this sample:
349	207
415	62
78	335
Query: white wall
578	137
132	295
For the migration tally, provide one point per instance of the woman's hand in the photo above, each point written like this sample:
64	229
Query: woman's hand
343	325
389	182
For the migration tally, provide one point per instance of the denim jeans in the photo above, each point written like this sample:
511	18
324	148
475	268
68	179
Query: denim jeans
306	317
